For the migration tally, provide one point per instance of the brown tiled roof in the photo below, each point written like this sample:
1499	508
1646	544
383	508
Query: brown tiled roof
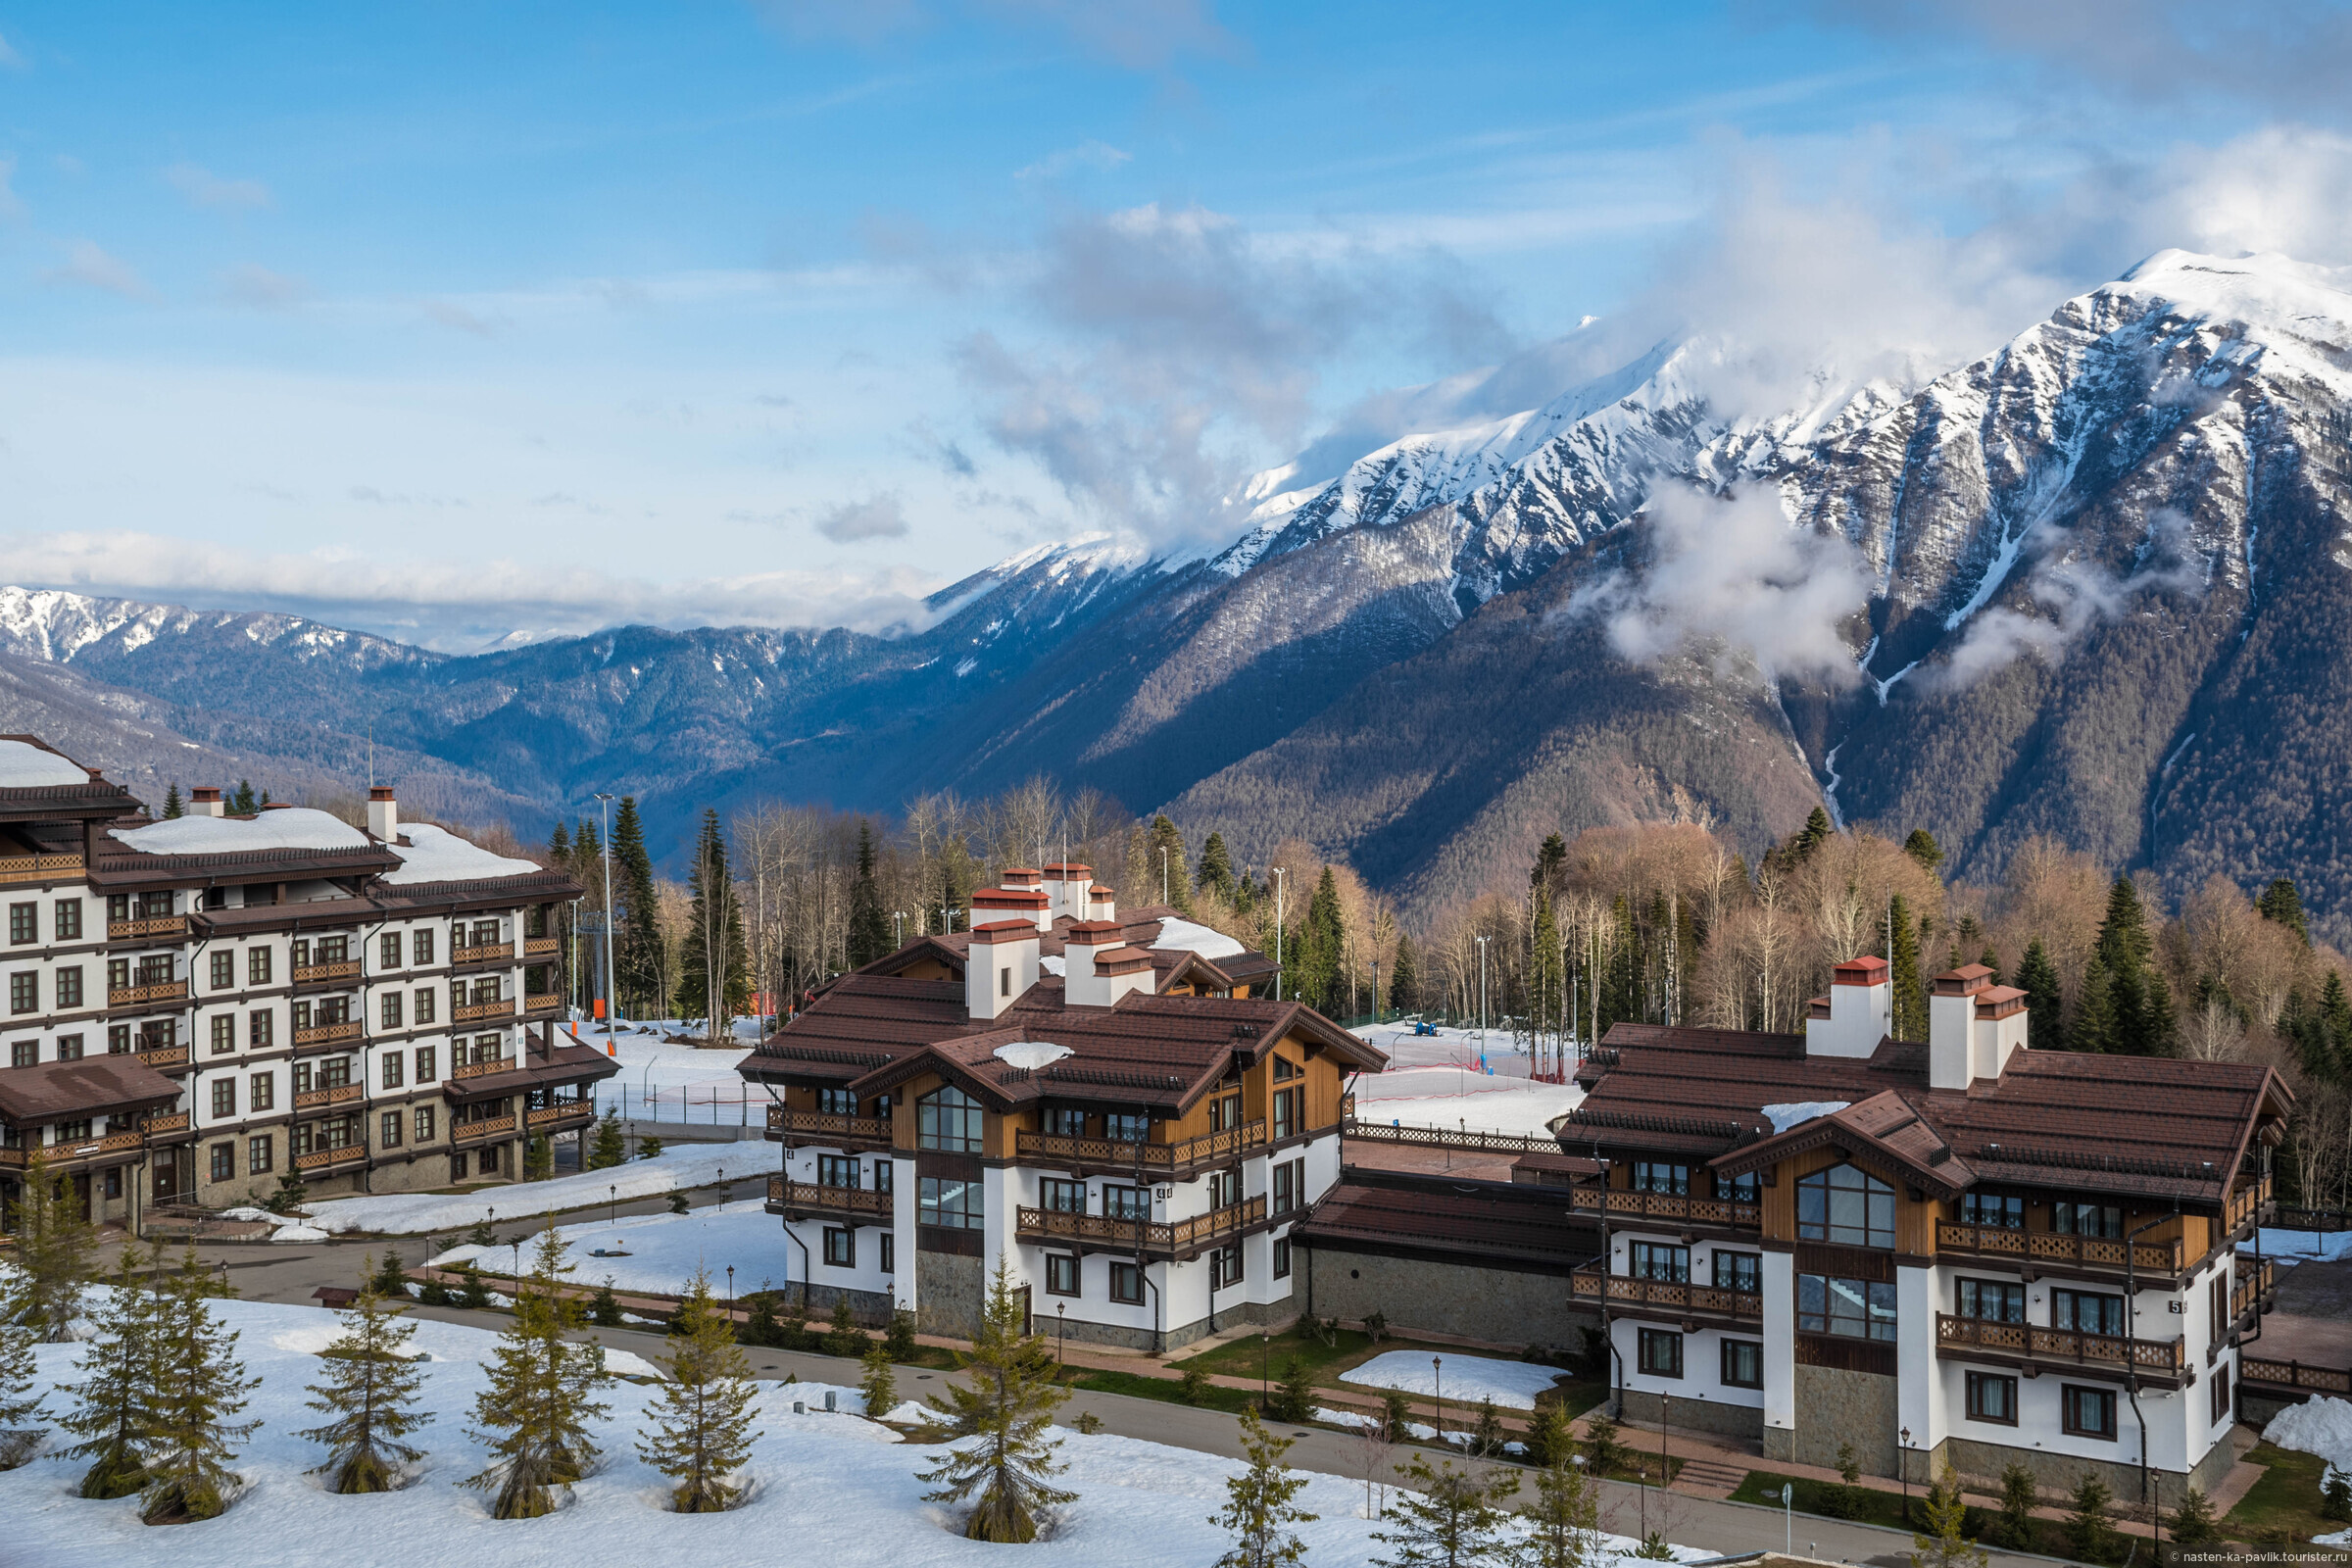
67	1090
535	1069
1492	1224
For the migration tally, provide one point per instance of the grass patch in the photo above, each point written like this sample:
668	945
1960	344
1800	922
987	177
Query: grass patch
1165	1390
2283	1506
1877	1507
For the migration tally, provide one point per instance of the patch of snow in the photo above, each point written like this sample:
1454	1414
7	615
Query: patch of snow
421	1213
2319	1246
1030	1053
428	854
298	1233
251	1215
628	1364
907	1413
663	1251
29	767
2320	1425
1185	937
1797	1112
1052	964
1466	1379
297	827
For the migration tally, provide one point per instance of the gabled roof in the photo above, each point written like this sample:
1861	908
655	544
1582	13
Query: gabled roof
89	1086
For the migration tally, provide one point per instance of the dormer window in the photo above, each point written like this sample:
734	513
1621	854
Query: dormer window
1847	1206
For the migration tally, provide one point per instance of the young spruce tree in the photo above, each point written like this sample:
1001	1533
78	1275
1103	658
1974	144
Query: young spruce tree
53	1253
869	930
1445	1518
879	1382
1945	1543
113	1404
22	1420
2038	978
1261	1507
701	1431
189	1440
534	1415
1564	1523
997	1418
367	1388
611	1148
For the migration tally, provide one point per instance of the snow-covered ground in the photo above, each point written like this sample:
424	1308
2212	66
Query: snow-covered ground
662	1081
2322	1426
1467	1379
664	1250
826	1487
2297	1247
677	1167
1445	1081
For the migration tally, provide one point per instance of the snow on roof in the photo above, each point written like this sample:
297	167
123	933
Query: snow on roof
294	827
1797	1112
1185	937
1030	1053
29	767
435	854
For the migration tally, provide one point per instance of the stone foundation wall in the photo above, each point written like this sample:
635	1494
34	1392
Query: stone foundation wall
1742	1421
872	1309
1501	1307
2056	1473
1835	1408
950	1292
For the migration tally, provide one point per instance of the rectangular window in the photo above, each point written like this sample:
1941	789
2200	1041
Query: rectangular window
257	967
1225	1114
1661	1353
1992	1397
225	1096
2087	1412
1739	1271
1656	1261
118	1040
24	922
1286	1186
841	1247
1127	1284
949	1201
224	1033
836	1102
1286	1112
261	1029
258	1154
1992	1302
1844	1205
68	1048
69	988
224	971
1649	1176
423	1122
890	1252
68	919
1063	1122
25	1054
393	1069
948	1119
1743	1364
2086	1312
425	1006
425	1064
387	951
2217	1308
114	1181
837	1170
884	1169
1992	1211
421	948
1126	1203
117	974
2102	1220
1862	1310
388	1131
24	992
1224	1188
1061	1274
1121	1128
262	1087
2218	1389
1285	1069
1062	1196
224	1162
1282	1257
388	1011
1225	1267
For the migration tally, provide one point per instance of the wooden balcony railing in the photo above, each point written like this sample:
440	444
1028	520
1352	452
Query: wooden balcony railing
1468	1139
39	867
540	947
146	925
166	1125
343	972
1593	1284
337	1095
78	1150
482	954
542	1006
483	1069
832	1131
1158	1159
1180	1238
2251	1288
559	1116
327	1034
2158	1256
163	1059
474	1131
2294	1375
2247	1204
328	1159
784	1194
2036	1343
477	1012
146	994
1622	1204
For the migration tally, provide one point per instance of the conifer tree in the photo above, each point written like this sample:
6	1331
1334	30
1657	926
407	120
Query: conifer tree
714	988
534	1415
391	1282
22	1420
1261	1509
538	1158
1293	1396
611	1147
1818	828
2020	1496
870	923
2038	978
1910	1021
2280	903
1405	977
1564	1523
174	806
367	1388
1445	1518
1945	1543
701	1431
188	1441
1922	847
1486	1438
2125	947
640	955
1991	960
53	1253
2089	1530
1550	1439
998	1418
1164	881
2094	1011
1214	872
1546	966
879	1382
2193	1522
843	1337
242	803
115	1400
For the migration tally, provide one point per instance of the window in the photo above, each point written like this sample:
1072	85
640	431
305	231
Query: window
421	948
1661	1353
1127	1284
1992	1211
24	922
388	1010
1286	1112
114	1181
950	1201
225	1096
1065	1121
1061	1274
841	1247
262	1090
2085	1312
1992	1397
257	966
1285	1069
837	1170
70	1132
393	1069
24	992
890	1252
25	1054
422	1124
1748	1189
118	1040
387	1134
69	987
1649	1176
117	974
1290	1185
1120	1128
1862	1310
948	1119
224	971
883	1171
387	951
1282	1257
68	919
425	1006
1224	1188
258	1154
68	1048
224	1033
1225	1267
425	1064
1225	1113
1844	1205
836	1102
2103	1220
1656	1261
224	1162
1739	1271
2087	1412
1062	1196
1743	1364
2218	1390
1126	1203
2217	1308
261	1029
1992	1302
485	933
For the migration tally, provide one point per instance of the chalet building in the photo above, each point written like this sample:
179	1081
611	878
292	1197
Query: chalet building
1962	1251
1106	1102
196	1006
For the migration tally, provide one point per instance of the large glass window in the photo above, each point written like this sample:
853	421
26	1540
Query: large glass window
2084	1313
1661	1353
1126	1203
1748	1189
948	1118
1655	1260
1861	1309
1123	1127
837	1170
2102	1220
1992	1302
1992	1397
1992	1211
1739	1271
949	1201
1844	1205
1062	1197
1743	1364
2087	1412
1650	1176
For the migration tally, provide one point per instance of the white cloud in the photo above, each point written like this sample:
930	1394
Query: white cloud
204	188
2071	594
854	521
88	266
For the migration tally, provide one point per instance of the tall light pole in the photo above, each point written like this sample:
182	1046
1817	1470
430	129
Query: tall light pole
898	927
611	991
1481	999
1164	873
1276	871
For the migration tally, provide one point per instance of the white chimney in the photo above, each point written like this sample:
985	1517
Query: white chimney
207	801
1952	1026
1066	886
998	968
383	814
1101	904
1013	904
2000	1029
1861	1006
1083	984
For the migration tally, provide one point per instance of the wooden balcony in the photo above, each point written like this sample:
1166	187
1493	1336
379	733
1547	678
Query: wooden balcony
792	1199
829	1131
483	1069
541	946
1176	1239
163	1058
346	972
328	1034
2029	1343
171	1124
482	1011
40	868
486	953
68	1156
2294	1375
331	1158
338	1095
145	995
1674	1298
2246	1204
483	1131
561	1118
1673	1207
147	926
1189	1157
1465	1140
2247	1292
542	1007
2048	1248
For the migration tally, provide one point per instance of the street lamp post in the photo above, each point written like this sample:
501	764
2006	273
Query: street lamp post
1061	1340
1164	873
611	991
1436	1367
898	927
1262	1387
1375	992
730	1292
1276	872
613	1204
1903	1460
1481	999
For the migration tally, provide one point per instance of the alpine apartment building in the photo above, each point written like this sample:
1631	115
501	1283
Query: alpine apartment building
198	1006
1100	1101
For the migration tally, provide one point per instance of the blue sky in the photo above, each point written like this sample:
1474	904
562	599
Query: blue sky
447	321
